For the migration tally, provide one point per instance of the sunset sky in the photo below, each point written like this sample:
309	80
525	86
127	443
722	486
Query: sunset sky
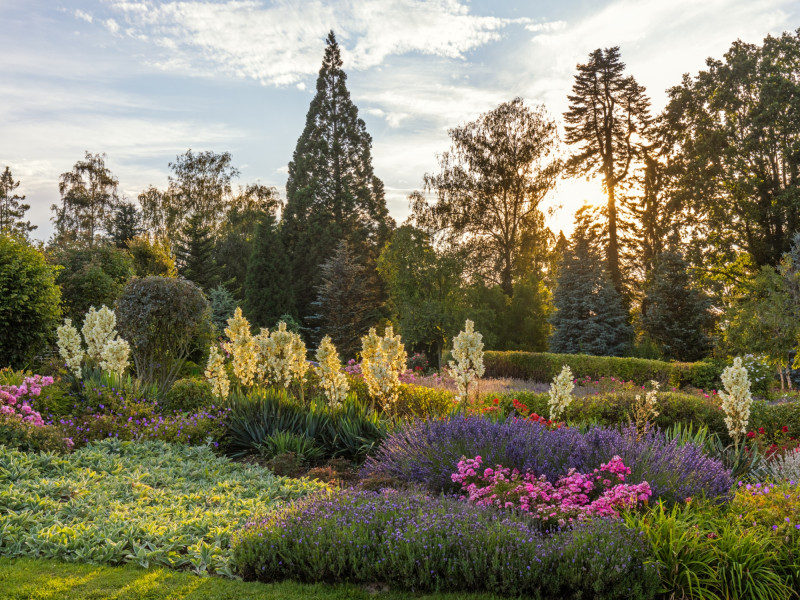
144	80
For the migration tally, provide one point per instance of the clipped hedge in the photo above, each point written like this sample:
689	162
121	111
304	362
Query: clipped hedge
543	366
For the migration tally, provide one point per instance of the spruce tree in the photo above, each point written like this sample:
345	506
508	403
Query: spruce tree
194	254
12	211
674	313
268	290
126	224
346	306
590	316
332	191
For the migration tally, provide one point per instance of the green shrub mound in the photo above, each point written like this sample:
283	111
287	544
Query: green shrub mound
188	395
147	503
543	366
416	542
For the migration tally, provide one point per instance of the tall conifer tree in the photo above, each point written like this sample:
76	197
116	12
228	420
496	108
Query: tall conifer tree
194	254
12	210
332	191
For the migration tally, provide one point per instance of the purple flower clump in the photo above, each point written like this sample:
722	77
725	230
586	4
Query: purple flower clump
428	452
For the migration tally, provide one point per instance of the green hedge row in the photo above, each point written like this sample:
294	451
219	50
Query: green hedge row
543	366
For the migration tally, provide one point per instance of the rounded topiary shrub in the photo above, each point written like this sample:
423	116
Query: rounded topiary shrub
188	395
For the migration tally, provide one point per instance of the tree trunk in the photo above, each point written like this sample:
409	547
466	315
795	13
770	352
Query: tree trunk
613	243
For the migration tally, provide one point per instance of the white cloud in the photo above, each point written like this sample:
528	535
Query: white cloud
280	44
83	16
111	25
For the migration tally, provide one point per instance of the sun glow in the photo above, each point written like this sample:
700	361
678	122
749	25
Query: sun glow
567	198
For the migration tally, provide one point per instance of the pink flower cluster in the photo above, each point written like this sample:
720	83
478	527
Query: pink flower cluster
574	497
13	399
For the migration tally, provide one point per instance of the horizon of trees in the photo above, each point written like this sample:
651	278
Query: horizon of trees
702	205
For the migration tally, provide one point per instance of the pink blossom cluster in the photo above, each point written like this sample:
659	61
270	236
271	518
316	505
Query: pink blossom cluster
574	497
14	399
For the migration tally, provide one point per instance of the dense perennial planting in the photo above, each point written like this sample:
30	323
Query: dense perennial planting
417	542
427	452
574	497
15	399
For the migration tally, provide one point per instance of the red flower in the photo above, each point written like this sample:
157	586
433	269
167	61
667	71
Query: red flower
496	401
751	434
761	430
785	429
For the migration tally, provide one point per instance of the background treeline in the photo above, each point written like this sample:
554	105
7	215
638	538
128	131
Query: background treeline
694	253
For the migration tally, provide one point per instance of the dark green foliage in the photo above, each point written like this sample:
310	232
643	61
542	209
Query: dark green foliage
188	395
222	307
542	367
194	254
90	276
126	224
675	314
29	310
590	317
349	432
164	320
88	199
27	437
12	210
332	191
237	234
346	304
608	111
268	291
425	291
491	182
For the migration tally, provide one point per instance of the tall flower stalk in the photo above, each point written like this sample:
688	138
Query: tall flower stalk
560	393
736	400
468	365
242	348
333	379
382	361
645	410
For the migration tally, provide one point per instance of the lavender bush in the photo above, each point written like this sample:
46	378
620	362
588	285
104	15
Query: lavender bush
422	543
427	452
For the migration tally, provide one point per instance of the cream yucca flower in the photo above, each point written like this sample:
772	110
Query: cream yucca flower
468	354
242	347
284	356
333	380
382	361
645	409
560	393
216	374
736	399
69	347
115	356
98	330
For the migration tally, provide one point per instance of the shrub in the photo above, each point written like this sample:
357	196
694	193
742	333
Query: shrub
543	366
164	320
420	401
29	312
147	503
188	395
419	543
28	437
427	452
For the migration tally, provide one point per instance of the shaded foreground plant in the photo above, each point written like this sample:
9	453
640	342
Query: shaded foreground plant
417	542
427	452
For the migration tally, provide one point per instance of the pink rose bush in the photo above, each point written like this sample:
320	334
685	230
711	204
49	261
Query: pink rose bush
14	399
574	497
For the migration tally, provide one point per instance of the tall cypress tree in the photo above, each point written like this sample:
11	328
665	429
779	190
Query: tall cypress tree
590	316
194	254
268	290
332	191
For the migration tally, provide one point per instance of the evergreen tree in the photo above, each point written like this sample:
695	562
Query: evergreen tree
126	224
194	254
346	305
607	112
590	316
223	306
675	314
332	191
12	211
268	286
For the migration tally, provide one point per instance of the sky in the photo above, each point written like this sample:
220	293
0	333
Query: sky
146	80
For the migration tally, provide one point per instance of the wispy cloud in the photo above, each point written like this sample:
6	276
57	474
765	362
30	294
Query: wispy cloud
83	15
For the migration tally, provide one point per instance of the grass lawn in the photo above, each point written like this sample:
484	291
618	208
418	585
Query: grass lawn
36	579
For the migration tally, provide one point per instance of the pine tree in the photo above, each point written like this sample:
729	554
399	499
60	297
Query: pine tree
12	211
332	191
223	306
194	254
126	224
590	316
268	286
346	306
674	313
